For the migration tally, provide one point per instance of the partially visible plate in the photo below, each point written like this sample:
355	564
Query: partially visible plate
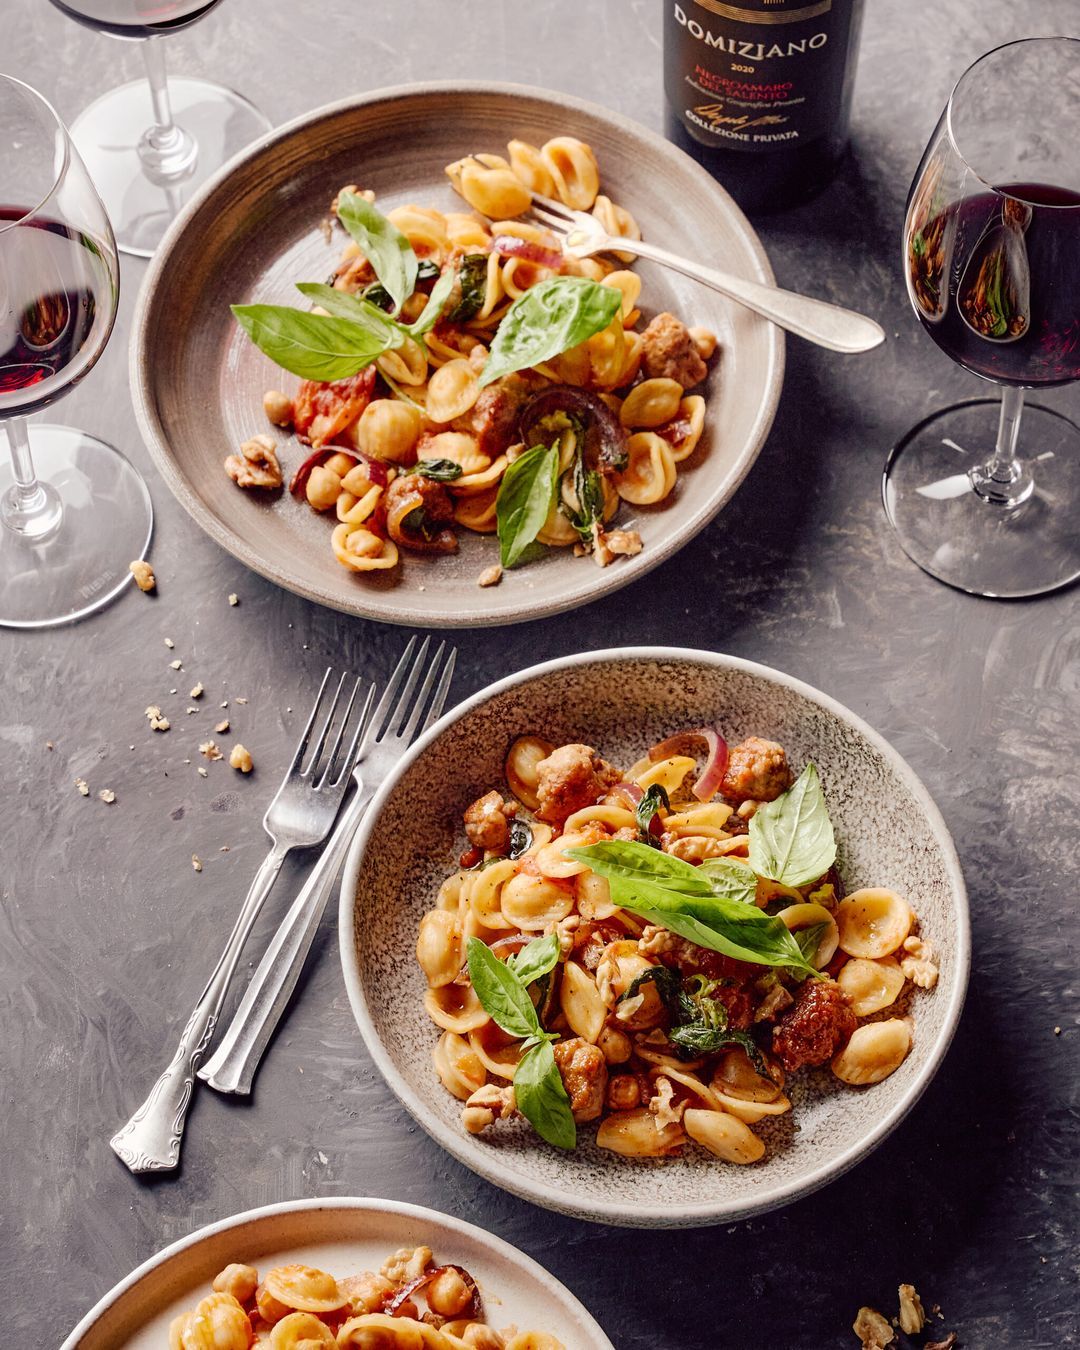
343	1236
255	230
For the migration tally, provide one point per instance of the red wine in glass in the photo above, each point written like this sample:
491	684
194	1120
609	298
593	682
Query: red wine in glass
995	281
136	18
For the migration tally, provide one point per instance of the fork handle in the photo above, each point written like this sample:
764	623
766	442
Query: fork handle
841	330
150	1141
233	1065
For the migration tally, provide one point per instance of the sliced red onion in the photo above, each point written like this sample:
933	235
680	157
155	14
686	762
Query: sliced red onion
376	469
511	246
605	436
675	432
689	742
629	792
473	1310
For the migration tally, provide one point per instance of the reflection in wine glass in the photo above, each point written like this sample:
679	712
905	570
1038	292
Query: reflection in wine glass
189	127
73	511
992	269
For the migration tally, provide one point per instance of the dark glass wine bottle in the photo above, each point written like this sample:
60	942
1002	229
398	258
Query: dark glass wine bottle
759	91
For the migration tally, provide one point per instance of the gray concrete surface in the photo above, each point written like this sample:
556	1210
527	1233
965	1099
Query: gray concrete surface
105	928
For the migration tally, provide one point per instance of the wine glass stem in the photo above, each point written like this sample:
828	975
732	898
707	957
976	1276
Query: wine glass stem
1004	480
29	507
167	151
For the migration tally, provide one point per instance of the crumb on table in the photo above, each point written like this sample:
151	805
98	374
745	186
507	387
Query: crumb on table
240	758
143	574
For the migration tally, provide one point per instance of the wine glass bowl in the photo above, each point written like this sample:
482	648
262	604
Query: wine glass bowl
73	511
991	244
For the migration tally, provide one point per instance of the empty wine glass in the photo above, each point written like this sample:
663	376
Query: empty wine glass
979	497
73	511
150	144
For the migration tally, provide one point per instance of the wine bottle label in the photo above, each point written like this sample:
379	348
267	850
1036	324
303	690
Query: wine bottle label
757	74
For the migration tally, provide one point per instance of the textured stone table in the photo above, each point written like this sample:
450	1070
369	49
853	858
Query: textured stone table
105	927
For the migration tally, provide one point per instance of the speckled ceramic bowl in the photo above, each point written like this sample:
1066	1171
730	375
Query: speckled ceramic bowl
890	834
343	1236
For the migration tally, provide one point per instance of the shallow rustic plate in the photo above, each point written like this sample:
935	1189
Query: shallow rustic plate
255	230
343	1236
890	834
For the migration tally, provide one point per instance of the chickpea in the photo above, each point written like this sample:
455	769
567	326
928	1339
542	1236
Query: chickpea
615	1046
278	407
704	340
367	1293
240	1281
240	758
624	1092
448	1294
271	1310
323	488
339	463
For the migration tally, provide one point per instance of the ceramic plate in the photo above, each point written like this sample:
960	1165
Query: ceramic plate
343	1236
889	832
255	230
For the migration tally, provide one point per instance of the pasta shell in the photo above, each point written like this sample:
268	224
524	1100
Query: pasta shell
305	1288
580	1000
593	896
797	917
573	167
521	761
532	903
455	1007
871	985
651	403
737	1077
650	472
751	1112
615	817
460	1068
723	1135
498	1054
380	1331
438	947
528	165
876	1049
552	860
534	1340
691	411
670	774
873	923
633	1134
217	1323
301	1331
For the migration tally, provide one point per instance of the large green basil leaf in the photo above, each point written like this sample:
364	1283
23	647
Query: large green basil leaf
382	244
313	346
536	959
502	995
791	838
347	306
548	319
432	311
526	495
541	1097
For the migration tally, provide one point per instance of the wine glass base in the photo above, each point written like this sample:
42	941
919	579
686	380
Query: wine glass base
107	135
106	524
968	542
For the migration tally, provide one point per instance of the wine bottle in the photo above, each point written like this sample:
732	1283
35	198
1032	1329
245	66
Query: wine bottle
759	91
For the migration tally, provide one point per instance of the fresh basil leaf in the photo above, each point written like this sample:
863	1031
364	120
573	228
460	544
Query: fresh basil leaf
538	958
313	346
809	939
698	1038
791	838
472	279
439	470
432	311
526	495
382	244
541	1097
377	294
668	986
640	879
590	494
502	995
360	311
731	879
652	800
548	319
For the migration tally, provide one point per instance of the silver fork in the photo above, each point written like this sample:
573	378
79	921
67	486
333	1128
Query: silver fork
841	330
233	1065
301	813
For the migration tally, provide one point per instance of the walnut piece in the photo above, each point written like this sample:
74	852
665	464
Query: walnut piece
210	751
222	727
873	1330
256	466
198	691
922	973
234	599
155	718
487	1104
409	1263
196	862
490	576
107	795
666	1111
143	574
912	1313
83	786
240	758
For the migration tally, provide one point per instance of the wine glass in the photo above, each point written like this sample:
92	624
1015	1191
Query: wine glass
73	511
189	127
980	499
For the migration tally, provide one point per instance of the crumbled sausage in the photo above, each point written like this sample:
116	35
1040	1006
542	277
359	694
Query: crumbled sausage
816	1027
668	351
757	770
495	413
411	493
585	1077
486	824
570	778
256	466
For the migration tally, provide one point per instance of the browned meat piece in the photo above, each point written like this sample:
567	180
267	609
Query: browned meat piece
816	1027
495	413
584	1074
668	352
572	777
757	770
415	508
486	823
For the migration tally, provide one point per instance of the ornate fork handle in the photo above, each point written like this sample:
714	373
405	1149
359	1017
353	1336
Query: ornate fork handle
232	1068
841	330
150	1141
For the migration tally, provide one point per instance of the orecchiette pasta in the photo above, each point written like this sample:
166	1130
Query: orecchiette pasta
375	436
663	1043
